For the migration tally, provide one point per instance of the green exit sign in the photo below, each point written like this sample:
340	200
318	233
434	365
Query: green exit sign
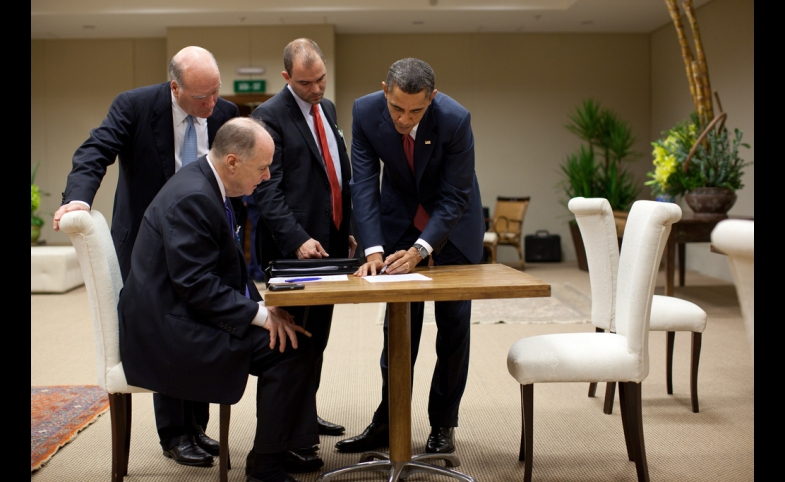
249	86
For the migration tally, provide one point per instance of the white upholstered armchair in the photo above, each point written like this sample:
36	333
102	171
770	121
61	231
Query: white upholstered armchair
92	240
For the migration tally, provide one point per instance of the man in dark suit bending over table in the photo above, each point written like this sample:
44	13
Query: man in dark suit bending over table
153	131
428	206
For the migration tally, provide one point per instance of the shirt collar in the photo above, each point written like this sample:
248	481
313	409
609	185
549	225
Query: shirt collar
217	178
304	106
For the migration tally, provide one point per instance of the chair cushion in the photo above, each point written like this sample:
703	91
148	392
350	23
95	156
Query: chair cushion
54	269
674	314
490	238
574	357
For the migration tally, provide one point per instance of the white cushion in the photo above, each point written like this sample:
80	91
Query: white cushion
574	357
54	269
674	314
490	238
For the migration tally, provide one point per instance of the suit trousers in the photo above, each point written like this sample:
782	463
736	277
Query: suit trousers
175	417
453	322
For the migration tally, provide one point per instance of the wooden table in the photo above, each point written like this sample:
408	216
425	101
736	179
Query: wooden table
688	230
467	282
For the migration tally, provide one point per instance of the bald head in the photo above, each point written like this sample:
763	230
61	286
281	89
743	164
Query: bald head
241	154
195	81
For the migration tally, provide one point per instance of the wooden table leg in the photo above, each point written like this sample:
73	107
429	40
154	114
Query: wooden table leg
670	261
682	262
400	382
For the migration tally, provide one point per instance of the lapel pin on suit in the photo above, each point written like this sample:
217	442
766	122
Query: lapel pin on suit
427	142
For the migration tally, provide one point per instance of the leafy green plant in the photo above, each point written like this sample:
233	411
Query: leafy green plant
715	162
35	200
596	170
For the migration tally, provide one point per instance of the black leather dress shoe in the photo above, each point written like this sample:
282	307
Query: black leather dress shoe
376	435
441	441
294	461
186	452
207	444
328	428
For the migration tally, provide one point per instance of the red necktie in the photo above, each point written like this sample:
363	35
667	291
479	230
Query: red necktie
420	217
328	162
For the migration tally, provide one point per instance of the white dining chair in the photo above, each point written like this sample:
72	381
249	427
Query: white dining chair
605	357
736	239
92	240
668	314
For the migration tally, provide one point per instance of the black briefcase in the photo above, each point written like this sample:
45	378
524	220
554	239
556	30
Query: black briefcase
282	268
542	247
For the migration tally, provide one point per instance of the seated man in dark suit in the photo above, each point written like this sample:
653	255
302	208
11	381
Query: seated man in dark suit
192	323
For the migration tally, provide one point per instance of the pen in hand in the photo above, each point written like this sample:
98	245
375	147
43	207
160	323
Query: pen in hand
384	268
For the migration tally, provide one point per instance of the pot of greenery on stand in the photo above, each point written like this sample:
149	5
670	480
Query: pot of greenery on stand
705	169
597	169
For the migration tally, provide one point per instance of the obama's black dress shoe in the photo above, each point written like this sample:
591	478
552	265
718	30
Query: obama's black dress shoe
441	441
206	443
329	428
376	435
187	452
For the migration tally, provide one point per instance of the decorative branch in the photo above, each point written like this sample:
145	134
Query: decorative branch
689	9
686	52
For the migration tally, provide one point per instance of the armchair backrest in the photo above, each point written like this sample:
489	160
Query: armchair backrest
598	230
736	238
92	240
508	214
648	226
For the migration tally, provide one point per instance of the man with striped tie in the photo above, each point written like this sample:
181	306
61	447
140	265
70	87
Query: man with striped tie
153	131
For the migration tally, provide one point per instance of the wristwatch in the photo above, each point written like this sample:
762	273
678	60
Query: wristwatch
421	250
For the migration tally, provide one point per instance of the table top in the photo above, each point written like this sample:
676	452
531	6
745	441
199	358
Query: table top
464	282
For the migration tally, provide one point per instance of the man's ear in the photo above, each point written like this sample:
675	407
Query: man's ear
384	88
232	161
433	94
285	75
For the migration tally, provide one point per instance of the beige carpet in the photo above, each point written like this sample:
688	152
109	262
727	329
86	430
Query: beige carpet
573	439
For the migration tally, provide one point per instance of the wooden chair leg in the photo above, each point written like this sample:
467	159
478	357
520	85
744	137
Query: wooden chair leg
117	415
610	395
696	355
127	445
493	254
635	428
527	430
593	385
223	441
520	257
625	424
671	338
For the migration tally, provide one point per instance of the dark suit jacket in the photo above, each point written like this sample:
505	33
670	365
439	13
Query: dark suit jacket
183	310
444	182
139	132
295	204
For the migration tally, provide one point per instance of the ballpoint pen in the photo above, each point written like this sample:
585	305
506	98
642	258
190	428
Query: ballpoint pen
384	268
300	280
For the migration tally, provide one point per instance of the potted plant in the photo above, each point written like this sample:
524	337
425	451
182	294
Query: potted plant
598	168
705	168
36	222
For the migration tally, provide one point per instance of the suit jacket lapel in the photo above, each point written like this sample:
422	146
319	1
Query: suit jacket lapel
302	125
344	159
162	127
425	142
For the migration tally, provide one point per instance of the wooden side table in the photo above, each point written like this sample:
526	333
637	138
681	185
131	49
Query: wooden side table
467	282
688	230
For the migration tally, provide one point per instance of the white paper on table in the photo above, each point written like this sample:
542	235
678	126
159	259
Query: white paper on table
332	277
391	278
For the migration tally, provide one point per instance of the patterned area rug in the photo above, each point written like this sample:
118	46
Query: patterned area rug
565	305
57	414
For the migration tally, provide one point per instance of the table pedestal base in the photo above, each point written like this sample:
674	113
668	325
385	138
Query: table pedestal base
400	470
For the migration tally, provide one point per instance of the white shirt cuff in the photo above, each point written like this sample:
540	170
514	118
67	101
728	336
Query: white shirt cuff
425	245
261	316
373	249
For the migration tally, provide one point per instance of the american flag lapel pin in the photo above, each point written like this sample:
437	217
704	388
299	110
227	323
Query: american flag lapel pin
427	143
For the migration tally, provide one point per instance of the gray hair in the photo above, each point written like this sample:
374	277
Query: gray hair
412	76
238	137
180	62
301	47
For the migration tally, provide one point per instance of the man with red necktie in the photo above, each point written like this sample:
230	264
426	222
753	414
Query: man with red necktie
428	206
305	208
